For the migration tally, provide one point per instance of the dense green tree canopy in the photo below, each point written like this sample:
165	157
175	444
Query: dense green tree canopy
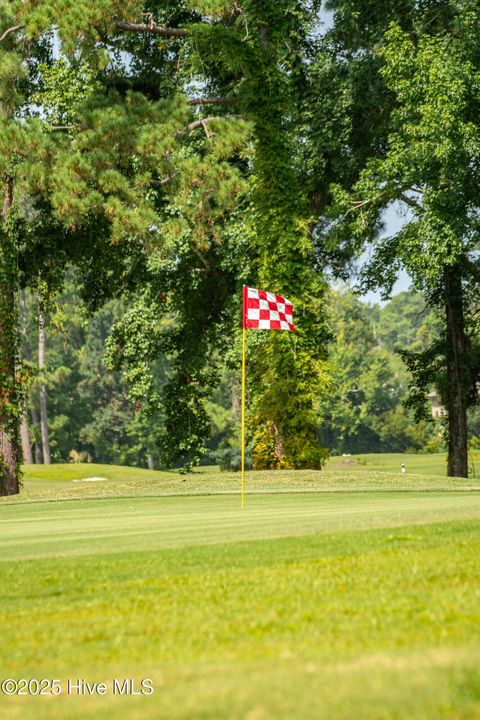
171	151
364	411
117	150
427	60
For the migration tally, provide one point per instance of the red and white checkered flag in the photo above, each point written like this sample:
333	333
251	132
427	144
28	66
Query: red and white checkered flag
266	311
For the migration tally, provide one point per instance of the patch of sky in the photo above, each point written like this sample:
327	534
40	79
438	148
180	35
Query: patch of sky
394	218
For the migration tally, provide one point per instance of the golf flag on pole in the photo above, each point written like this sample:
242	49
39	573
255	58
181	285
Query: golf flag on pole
266	311
262	310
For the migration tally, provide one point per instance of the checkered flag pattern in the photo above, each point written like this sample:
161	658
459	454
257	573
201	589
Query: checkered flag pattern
266	311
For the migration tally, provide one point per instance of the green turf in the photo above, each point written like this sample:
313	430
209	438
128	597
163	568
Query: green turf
117	525
307	605
71	481
426	464
415	463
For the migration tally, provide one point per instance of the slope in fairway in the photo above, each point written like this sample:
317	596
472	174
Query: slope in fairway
348	605
424	463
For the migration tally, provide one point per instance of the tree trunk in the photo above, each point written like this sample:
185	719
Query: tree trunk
279	452
9	437
38	449
457	374
150	462
24	426
43	391
27	354
26	445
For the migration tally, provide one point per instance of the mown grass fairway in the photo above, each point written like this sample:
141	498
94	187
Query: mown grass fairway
426	464
54	482
308	605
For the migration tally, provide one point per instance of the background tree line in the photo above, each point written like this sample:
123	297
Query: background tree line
168	152
90	416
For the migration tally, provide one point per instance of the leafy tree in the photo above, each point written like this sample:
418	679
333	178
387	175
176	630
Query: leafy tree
126	158
364	411
405	323
12	77
89	409
428	162
49	175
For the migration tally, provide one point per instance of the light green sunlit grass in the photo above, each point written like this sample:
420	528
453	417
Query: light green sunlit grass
415	463
427	464
379	473
343	606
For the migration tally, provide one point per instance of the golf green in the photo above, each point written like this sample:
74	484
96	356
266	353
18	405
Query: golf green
305	605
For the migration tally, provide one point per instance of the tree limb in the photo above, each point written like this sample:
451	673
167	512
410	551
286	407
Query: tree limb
201	123
214	101
152	28
165	180
9	31
193	125
355	204
409	201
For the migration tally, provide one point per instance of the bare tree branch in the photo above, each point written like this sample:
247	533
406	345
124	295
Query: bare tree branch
201	123
205	128
409	201
64	127
10	30
152	28
356	204
214	101
164	180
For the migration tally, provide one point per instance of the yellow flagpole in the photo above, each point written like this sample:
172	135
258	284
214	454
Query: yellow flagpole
243	416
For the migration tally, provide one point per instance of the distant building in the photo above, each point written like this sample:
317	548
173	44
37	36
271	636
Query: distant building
438	410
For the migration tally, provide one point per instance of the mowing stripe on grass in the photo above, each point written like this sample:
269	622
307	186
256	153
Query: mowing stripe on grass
116	525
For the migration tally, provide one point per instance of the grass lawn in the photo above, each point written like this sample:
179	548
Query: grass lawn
370	472
362	603
427	464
